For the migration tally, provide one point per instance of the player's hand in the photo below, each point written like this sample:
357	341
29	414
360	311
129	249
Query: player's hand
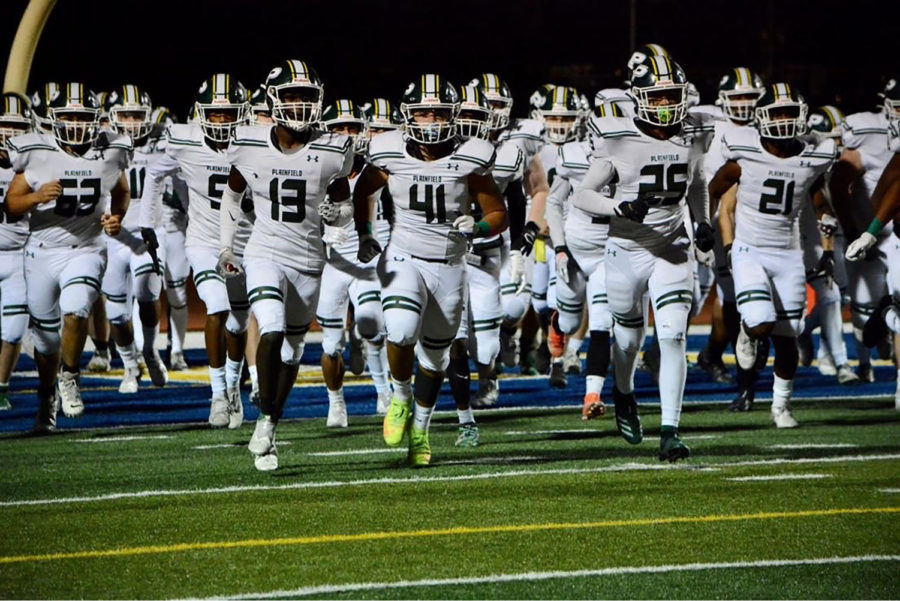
529	235
148	235
828	225
335	213
112	224
333	236
517	270
368	248
49	191
705	237
859	247
562	263
635	210
465	225
229	266
825	266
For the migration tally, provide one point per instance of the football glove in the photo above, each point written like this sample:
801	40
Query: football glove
859	247
368	248
517	270
824	268
150	241
828	225
564	262
335	213
635	210
705	237
228	266
529	235
465	224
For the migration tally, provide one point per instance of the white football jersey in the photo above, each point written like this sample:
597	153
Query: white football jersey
287	190
659	170
868	134
136	175
13	230
528	135
509	166
429	195
894	136
73	219
620	97
715	156
573	164
772	190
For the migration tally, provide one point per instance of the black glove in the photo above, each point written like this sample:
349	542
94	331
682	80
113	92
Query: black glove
635	210
825	266
152	244
727	249
368	248
529	235
705	237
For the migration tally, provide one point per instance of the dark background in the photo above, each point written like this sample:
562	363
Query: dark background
838	52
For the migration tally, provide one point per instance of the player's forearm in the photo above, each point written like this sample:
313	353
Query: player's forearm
698	199
493	222
726	216
229	213
559	192
151	198
361	214
19	203
588	197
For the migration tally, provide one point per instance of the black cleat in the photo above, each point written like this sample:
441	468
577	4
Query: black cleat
558	375
542	358
628	422
716	370
671	448
743	401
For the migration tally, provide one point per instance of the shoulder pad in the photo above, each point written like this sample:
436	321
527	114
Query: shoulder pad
251	135
699	121
184	134
388	145
114	140
527	128
612	127
32	141
509	158
742	139
710	110
574	155
479	152
826	150
865	123
330	142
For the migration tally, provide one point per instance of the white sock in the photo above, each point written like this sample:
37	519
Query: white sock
402	390
217	380
376	357
465	416
128	354
422	416
150	333
336	395
781	392
233	372
177	328
594	384
832	332
254	378
672	376
574	344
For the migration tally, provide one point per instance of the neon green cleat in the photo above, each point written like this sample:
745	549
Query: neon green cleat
419	449
468	435
396	422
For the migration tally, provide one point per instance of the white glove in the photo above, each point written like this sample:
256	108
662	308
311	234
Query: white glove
465	224
335	213
229	266
562	266
334	236
517	270
704	258
828	225
368	248
857	249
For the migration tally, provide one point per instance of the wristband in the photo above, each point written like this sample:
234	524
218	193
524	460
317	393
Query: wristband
482	228
875	227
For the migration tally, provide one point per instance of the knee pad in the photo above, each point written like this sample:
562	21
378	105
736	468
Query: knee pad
514	307
487	346
569	317
177	296
539	302
860	313
292	349
402	327
117	312
46	341
435	360
671	322
333	341
368	325
13	328
237	321
628	339
147	287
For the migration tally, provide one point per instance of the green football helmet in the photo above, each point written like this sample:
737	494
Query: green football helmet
537	100
640	54
74	115
15	117
430	93
561	112
659	89
259	104
225	97
129	109
892	99
294	93
39	101
346	114
381	116
781	112
498	97
475	116
739	89
826	122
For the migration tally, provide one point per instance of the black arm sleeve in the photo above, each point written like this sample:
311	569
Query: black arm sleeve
515	202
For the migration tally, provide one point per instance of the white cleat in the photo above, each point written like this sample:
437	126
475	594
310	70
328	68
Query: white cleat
159	375
263	440
218	412
267	462
846	375
782	417
825	363
99	362
69	396
177	362
337	412
235	408
384	402
488	393
745	350
130	380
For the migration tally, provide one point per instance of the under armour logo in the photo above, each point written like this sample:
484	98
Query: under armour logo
611	251
454	166
310	158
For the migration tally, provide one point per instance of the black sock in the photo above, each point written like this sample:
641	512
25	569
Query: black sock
597	363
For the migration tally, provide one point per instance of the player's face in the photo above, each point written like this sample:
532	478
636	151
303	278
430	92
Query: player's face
377	131
559	120
348	129
221	115
11	130
75	117
291	95
784	113
664	98
263	118
425	116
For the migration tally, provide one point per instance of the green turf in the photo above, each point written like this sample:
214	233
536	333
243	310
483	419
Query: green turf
610	482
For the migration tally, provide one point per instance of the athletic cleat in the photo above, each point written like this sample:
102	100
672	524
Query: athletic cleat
45	422
556	340
69	396
558	375
383	403
158	373
235	408
542	358
267	462
628	422
467	435
357	358
572	363
805	348
396	422
419	449
509	348
593	406
846	375
5	405
866	373
825	363
876	331
99	362
488	393
716	370
743	401
527	365
337	413
262	441
219	415
130	379
177	362
745	350
782	417
671	448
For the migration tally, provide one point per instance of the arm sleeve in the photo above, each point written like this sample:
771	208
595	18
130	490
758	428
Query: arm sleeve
559	192
151	199
516	203
698	195
588	197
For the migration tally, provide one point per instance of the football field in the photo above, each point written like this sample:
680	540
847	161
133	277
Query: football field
139	499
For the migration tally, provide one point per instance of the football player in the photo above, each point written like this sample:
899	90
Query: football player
655	162
15	120
198	151
63	181
433	178
289	168
778	174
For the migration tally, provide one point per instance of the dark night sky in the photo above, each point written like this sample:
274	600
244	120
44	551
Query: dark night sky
363	49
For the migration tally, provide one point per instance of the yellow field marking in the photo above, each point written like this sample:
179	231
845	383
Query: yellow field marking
462	530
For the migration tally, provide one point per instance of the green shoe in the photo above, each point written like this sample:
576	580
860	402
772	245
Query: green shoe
396	421
671	448
419	449
468	435
628	422
5	405
527	365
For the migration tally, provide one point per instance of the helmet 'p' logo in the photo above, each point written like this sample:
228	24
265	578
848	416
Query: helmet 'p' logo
203	87
274	73
891	84
640	71
723	81
538	99
410	88
816	119
636	59
54	95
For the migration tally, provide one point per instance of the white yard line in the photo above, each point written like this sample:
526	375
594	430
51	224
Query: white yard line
559	575
890	491
623	467
354	452
812	445
122	438
780	477
204	447
688	437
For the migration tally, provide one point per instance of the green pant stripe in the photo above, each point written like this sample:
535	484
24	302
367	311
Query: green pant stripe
260	297
401	299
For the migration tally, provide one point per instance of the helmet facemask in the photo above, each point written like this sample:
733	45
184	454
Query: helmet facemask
75	126
14	124
346	126
652	110
501	107
132	121
440	129
474	121
783	120
891	109
220	129
738	105
295	106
